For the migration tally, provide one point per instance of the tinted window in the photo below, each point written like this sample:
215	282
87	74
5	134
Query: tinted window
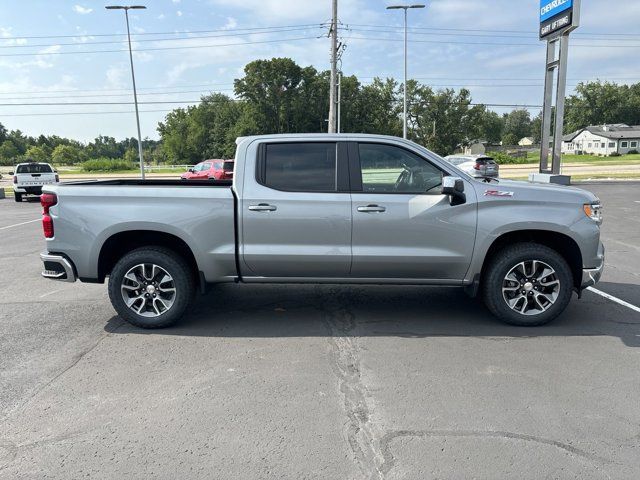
389	169
34	168
206	166
300	167
228	166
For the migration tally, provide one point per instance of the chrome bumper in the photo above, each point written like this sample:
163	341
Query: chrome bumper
591	276
57	267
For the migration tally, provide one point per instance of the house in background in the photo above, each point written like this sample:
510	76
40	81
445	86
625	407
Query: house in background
526	142
603	140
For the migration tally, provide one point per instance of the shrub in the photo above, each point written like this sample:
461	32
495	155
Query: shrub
505	159
614	154
633	152
106	165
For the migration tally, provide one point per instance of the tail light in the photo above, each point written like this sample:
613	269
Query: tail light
476	166
57	178
47	200
15	179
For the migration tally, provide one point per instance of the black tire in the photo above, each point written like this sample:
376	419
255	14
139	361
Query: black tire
17	196
174	265
501	265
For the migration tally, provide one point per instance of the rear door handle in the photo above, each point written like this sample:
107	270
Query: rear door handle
262	207
372	209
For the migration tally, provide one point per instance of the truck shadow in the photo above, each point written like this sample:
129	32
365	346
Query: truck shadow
401	311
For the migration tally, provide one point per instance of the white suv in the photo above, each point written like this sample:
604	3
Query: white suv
29	178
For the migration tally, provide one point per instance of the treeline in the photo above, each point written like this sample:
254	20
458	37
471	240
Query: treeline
279	96
15	147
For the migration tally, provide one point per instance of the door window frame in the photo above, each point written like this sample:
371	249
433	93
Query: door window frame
355	169
342	166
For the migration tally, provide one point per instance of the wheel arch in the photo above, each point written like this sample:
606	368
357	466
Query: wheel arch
561	243
121	243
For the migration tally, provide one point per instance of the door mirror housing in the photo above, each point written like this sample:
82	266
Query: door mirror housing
10	173
454	187
190	170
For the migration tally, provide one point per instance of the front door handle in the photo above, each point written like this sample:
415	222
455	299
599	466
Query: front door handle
262	207
372	209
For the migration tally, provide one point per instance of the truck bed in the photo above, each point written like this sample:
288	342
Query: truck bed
124	182
90	215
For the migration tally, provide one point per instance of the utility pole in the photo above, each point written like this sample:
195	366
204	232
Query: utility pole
339	98
133	76
404	110
334	64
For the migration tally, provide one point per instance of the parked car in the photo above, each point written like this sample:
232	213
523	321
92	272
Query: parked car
318	208
210	170
29	178
475	165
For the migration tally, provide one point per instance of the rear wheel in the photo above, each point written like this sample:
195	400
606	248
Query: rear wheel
151	287
17	196
527	284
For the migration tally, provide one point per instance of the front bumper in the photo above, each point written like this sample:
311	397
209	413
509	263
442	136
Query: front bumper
591	276
57	267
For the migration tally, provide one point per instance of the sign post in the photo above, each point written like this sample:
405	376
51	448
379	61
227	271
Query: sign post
558	18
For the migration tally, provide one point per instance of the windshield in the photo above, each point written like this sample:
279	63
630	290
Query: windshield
34	168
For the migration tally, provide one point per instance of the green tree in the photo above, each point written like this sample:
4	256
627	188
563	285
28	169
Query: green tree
517	124
37	154
8	153
492	126
270	87
596	103
443	120
67	155
510	139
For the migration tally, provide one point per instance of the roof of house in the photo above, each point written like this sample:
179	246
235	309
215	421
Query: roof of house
613	131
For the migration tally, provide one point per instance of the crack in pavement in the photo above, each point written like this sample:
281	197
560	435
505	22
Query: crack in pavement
361	434
388	438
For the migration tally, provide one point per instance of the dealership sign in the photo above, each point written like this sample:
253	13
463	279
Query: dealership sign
558	17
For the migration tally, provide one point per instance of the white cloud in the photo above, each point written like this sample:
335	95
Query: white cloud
175	1
82	10
179	13
116	75
231	23
161	16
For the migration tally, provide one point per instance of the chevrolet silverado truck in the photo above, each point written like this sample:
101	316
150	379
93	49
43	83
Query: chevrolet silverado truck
29	178
319	208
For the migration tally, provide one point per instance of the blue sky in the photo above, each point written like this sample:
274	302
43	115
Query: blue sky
489	46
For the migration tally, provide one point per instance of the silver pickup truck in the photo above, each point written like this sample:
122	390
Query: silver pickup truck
318	208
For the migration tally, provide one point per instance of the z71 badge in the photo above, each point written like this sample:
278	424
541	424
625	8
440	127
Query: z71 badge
497	193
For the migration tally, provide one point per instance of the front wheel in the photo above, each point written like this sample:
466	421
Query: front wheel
527	284
151	287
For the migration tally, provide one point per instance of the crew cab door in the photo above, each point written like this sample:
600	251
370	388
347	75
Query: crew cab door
296	211
403	227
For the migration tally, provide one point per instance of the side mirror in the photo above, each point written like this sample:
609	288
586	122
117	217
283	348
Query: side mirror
454	187
10	173
190	170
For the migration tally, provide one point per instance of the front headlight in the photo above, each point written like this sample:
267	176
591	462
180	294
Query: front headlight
593	211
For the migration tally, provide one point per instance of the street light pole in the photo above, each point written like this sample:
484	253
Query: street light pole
133	76
404	110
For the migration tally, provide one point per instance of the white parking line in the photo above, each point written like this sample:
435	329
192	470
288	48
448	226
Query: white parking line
614	299
18	224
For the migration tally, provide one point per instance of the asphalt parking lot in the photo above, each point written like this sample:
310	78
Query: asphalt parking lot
318	382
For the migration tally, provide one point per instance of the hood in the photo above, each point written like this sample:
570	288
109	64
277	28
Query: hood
530	191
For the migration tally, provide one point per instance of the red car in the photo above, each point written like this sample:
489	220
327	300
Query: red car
210	170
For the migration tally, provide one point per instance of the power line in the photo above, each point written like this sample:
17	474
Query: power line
79	44
532	32
128	112
175	32
127	90
502	44
484	35
79	52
